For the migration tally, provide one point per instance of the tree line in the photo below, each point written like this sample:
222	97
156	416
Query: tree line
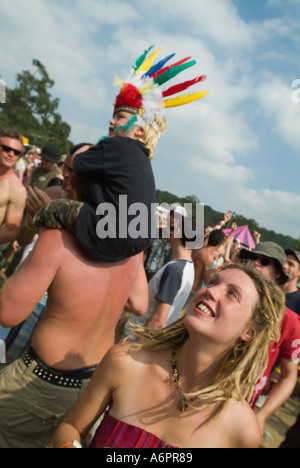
212	217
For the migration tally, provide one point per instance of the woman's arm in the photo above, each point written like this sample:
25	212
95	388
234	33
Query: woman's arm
93	401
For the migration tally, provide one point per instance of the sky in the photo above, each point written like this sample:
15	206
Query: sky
238	148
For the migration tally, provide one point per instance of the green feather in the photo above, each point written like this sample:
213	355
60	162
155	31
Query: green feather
141	59
173	71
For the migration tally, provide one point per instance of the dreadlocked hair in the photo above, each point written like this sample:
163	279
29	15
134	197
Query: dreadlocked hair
242	366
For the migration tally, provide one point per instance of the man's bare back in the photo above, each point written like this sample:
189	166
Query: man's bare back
85	300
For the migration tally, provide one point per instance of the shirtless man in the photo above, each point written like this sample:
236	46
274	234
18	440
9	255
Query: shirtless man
20	336
85	301
12	192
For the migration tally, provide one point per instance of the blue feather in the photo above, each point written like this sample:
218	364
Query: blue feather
158	66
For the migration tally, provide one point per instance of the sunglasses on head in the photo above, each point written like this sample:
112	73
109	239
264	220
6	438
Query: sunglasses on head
8	149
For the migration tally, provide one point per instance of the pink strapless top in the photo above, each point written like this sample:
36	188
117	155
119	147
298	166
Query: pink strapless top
113	433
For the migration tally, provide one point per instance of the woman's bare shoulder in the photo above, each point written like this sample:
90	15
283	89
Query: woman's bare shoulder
246	431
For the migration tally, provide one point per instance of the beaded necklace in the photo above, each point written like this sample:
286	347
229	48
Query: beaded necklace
184	401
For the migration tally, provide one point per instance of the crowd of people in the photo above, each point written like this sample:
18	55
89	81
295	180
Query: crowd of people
131	341
134	324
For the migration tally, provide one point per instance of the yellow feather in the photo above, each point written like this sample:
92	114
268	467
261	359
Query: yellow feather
118	82
146	87
148	62
182	100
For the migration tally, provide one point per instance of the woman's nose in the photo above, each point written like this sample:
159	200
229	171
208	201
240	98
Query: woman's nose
213	292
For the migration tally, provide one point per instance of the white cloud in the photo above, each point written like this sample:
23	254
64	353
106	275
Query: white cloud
271	208
218	20
275	97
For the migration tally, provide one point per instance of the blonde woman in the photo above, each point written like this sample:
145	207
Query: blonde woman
189	384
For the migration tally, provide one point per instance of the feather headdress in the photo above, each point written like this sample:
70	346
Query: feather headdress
142	95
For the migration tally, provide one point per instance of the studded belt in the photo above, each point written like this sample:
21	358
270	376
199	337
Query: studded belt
60	378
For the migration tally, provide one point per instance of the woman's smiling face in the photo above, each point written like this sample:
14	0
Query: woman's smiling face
222	310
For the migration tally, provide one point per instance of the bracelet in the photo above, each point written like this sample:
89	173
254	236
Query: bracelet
74	442
29	228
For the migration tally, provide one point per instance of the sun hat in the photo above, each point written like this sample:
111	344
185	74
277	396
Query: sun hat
270	250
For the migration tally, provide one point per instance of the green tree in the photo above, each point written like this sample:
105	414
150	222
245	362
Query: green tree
297	244
31	110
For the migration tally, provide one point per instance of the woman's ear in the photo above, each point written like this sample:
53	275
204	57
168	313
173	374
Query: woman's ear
247	335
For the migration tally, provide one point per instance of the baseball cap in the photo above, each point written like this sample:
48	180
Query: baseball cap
294	253
178	209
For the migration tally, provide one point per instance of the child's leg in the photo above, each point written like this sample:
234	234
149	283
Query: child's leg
59	214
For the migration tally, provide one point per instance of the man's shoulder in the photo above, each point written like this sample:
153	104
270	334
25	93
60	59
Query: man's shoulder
295	294
204	256
15	186
177	268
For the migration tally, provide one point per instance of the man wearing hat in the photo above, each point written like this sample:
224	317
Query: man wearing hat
270	259
48	170
292	268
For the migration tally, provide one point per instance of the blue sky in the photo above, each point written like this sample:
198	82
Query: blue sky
238	148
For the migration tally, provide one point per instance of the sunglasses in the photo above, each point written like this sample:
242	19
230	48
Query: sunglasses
262	260
8	149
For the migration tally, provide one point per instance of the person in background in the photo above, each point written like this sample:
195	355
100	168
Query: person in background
12	191
31	163
160	252
47	170
269	259
170	288
292	269
204	258
19	337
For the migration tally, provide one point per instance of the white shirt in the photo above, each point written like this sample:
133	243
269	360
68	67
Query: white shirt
172	284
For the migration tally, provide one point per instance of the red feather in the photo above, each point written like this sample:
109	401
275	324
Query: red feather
129	96
182	86
163	70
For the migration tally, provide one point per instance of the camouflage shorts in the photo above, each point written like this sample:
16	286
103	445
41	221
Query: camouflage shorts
59	214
